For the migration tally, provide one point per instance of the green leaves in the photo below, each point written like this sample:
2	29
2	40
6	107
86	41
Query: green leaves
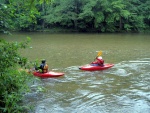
99	18
13	81
81	15
9	53
118	5
125	14
19	15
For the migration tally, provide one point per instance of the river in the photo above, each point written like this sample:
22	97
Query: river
124	88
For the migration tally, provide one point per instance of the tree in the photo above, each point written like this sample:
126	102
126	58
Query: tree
5	18
86	16
81	15
135	22
63	12
17	15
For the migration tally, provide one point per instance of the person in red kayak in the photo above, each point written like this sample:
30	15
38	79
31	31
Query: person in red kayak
99	61
44	66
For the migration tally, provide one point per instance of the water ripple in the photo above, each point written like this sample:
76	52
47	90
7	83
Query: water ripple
123	88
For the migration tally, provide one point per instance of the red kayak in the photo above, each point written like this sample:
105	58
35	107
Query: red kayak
49	74
90	67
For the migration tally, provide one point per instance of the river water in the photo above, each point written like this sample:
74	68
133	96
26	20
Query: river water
124	88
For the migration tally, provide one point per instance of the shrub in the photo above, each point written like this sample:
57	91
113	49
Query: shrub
13	82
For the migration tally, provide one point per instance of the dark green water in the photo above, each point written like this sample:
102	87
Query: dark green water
124	88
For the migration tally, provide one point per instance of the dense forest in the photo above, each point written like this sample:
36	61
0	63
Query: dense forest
75	15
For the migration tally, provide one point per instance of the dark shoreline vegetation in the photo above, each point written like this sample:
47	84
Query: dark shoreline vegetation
14	79
64	30
101	16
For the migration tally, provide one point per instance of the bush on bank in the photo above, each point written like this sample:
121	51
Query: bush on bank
13	82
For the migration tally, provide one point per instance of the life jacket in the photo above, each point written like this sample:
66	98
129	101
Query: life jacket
45	69
100	61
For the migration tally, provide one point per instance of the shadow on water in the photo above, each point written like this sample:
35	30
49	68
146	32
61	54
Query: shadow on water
123	88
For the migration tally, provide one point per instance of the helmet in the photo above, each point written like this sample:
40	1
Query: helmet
100	57
43	61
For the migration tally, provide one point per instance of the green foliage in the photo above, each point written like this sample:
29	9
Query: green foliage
102	15
18	15
13	81
99	18
62	12
5	18
81	15
24	15
9	53
13	86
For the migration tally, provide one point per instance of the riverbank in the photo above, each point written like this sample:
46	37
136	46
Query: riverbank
70	30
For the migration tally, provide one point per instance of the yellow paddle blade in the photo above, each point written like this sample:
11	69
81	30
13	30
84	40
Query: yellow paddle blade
99	53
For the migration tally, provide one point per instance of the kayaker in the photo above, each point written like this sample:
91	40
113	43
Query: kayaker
99	61
44	66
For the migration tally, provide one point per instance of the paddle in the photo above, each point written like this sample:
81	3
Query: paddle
99	53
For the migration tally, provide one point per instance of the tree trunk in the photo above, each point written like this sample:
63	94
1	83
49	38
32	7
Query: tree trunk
120	24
